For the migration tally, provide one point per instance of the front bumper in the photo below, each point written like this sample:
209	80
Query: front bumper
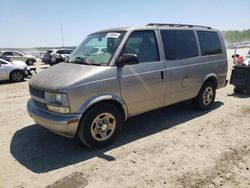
31	71
65	125
26	73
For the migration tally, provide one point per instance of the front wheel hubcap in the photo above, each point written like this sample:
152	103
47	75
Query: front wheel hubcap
17	76
208	95
103	126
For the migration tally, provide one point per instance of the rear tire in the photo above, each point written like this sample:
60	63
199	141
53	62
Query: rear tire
205	98
100	125
16	76
238	90
246	91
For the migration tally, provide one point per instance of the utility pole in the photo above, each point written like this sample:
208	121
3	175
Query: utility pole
62	36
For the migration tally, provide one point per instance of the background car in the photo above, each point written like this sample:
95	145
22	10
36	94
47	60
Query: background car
15	55
57	56
246	61
46	56
4	57
14	71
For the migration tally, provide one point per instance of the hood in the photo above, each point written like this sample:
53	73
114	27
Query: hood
64	75
19	63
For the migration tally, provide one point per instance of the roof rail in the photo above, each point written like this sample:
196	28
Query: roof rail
177	25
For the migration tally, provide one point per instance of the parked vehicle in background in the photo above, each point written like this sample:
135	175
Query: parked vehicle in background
14	71
58	56
41	55
142	69
46	57
15	55
4	57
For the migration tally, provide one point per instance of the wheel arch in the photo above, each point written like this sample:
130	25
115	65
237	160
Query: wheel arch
209	77
115	100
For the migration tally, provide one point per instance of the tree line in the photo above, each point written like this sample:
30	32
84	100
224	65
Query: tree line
236	36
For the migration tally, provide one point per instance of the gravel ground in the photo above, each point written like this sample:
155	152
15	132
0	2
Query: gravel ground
176	146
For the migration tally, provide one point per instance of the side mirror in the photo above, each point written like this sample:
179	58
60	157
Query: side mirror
127	59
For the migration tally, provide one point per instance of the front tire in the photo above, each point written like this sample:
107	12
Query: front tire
16	76
100	125
205	98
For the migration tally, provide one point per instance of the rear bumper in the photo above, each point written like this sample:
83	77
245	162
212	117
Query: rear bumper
65	125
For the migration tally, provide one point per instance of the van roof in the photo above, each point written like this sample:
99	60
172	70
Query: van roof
160	25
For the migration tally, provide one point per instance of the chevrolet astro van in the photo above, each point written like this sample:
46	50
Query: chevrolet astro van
134	70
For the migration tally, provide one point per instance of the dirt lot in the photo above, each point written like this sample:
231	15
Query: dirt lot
176	146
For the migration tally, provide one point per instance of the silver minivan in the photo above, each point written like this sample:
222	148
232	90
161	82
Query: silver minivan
134	70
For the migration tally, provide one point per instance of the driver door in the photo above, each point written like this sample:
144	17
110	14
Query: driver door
142	85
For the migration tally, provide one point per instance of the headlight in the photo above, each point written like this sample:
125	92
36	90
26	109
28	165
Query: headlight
57	102
57	99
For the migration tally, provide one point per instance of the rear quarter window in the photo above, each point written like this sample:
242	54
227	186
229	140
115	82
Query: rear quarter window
209	43
179	44
7	54
2	63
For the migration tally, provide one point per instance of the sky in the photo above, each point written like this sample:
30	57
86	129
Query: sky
37	23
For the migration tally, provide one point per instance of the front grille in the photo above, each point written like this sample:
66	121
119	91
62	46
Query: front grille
37	93
40	104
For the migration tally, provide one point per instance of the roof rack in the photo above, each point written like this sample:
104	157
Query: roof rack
177	25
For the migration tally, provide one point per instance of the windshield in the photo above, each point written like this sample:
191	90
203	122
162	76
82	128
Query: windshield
97	49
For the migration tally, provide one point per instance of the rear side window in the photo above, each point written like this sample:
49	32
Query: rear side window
7	54
179	44
209	43
16	54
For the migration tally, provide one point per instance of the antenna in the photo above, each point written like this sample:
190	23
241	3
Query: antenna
62	36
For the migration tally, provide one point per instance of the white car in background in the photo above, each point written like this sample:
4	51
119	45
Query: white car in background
15	55
14	71
58	56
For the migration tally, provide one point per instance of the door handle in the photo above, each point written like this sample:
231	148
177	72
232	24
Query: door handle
162	75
